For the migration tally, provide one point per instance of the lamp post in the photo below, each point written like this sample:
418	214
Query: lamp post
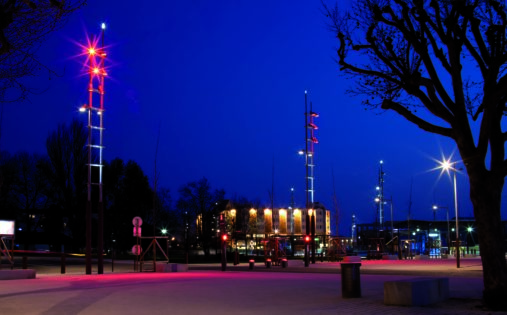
383	200
448	166
97	72
435	208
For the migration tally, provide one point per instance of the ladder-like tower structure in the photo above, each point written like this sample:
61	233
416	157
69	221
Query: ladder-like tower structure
96	55
379	199
310	141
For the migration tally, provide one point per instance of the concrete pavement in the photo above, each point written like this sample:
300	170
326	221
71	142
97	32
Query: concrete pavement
293	290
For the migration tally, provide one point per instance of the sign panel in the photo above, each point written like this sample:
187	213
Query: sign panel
6	227
137	250
137	231
137	221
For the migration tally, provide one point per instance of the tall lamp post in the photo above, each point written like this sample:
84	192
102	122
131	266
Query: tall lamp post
435	208
448	166
96	56
309	152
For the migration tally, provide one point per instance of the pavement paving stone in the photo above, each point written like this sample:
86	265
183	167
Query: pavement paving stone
207	290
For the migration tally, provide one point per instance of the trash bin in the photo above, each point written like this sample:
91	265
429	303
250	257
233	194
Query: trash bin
268	263
251	264
285	263
351	280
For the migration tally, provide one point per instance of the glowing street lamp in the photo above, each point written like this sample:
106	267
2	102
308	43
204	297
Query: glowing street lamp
448	166
95	60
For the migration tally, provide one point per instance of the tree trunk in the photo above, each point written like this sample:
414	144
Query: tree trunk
485	193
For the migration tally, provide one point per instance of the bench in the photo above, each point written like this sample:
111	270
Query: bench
416	292
165	267
17	274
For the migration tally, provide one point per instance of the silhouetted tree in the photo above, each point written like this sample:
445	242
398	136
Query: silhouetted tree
166	216
67	175
197	206
127	195
8	178
441	65
24	25
28	194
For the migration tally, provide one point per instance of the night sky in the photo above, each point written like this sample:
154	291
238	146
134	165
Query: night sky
224	81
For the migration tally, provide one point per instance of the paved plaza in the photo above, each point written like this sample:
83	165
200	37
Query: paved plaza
207	290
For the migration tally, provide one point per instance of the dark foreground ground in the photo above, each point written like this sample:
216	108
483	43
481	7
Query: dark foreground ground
205	289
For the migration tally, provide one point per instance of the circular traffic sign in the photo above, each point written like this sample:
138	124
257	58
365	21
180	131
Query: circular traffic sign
136	249
137	221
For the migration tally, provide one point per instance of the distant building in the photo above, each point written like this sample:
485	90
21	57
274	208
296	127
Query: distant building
248	227
279	221
430	237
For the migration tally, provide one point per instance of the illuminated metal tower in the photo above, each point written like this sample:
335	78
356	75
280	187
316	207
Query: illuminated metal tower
309	152
379	199
96	56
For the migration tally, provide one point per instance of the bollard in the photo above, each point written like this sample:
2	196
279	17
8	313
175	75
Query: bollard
236	258
251	264
268	263
24	262
285	263
351	280
62	263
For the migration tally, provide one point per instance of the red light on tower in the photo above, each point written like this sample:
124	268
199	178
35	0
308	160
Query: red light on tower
224	237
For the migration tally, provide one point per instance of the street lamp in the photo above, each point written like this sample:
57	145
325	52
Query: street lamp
384	201
435	208
447	166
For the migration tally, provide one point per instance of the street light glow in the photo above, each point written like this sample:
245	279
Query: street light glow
103	26
447	166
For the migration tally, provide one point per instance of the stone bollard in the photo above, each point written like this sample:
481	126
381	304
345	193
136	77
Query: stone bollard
268	263
62	264
251	264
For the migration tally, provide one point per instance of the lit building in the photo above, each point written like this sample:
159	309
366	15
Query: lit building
279	221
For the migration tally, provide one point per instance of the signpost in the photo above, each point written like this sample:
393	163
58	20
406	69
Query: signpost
136	249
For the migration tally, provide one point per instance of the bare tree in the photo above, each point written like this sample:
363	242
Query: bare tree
198	203
441	65
66	171
28	193
24	24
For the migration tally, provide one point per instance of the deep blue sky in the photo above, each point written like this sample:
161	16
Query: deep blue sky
225	82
